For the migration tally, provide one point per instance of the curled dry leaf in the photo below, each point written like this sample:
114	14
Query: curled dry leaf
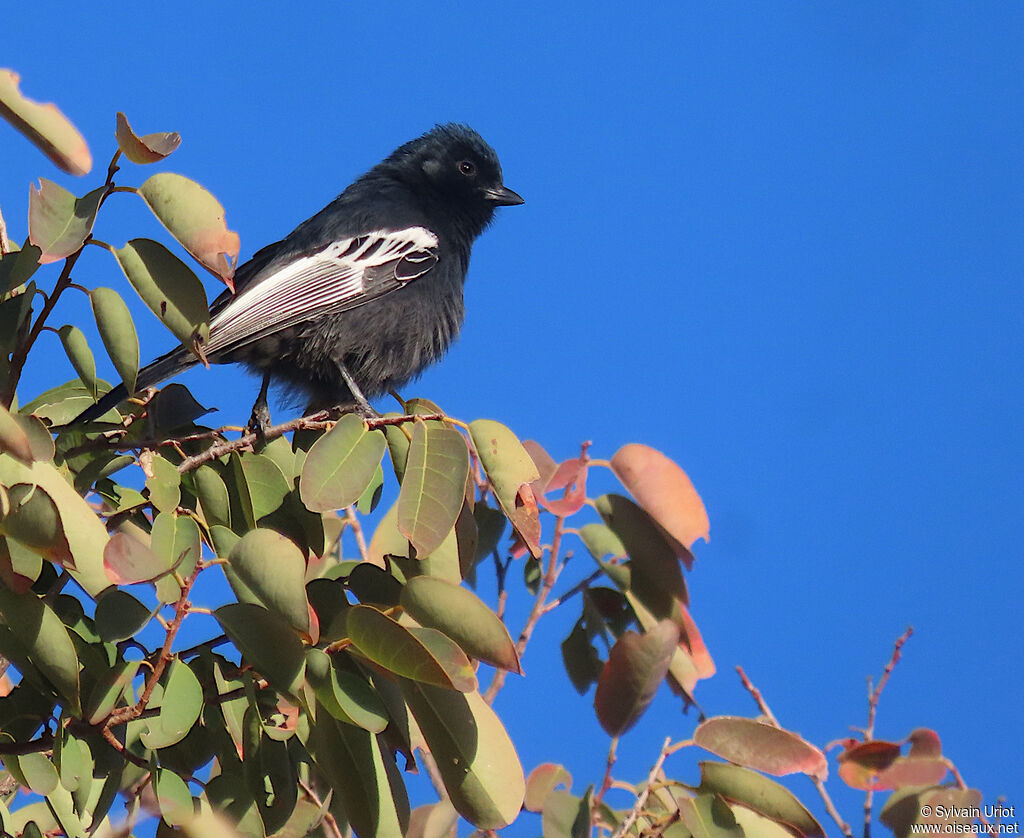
148	148
45	126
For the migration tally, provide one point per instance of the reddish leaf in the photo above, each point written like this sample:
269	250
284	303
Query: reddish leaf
570	478
761	746
543	780
45	126
878	766
663	489
146	149
636	665
691	640
546	466
924	743
128	560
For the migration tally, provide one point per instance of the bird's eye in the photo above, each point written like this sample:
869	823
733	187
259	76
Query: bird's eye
467	168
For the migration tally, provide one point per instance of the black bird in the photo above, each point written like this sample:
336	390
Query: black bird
364	295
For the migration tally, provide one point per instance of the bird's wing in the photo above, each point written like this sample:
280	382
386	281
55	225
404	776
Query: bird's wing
343	275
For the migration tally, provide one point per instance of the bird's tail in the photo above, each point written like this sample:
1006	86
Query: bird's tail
174	362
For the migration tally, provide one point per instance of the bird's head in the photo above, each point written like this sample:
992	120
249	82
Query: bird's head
459	170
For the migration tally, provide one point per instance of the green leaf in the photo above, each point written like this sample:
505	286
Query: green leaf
33	519
267	641
268	771
37	771
128	559
173	797
58	222
170	289
340	465
119	615
741	785
510	469
117	331
419	654
636	666
84	533
45	126
176	540
74	761
267	484
213	497
40	441
16	268
179	709
272	567
464	617
601	542
109	689
164	484
196	219
343	694
434	486
60	404
474	754
708	816
366	784
80	355
47	642
149	148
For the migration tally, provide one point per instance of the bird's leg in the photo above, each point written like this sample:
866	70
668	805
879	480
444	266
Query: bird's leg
361	402
259	421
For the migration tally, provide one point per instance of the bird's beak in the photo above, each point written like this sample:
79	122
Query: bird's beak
502	196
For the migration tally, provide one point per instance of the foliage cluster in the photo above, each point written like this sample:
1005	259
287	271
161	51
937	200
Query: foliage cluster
339	659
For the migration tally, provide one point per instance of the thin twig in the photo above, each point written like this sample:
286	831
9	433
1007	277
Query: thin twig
575	589
550	577
869	732
606	782
641	799
762	705
357	531
315	421
181	610
328	820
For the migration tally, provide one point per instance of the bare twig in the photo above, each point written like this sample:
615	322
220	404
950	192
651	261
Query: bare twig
762	705
606	782
641	799
329	822
575	589
869	732
550	577
315	421
357	531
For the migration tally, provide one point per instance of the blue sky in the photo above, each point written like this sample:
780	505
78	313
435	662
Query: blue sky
781	242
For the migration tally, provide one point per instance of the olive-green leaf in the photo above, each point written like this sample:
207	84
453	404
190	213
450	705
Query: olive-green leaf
16	268
173	797
213	497
266	641
40	441
434	486
108	690
419	654
196	219
272	567
148	148
476	757
340	465
344	694
117	331
45	126
170	289
32	517
85	534
163	483
80	355
58	222
179	709
757	792
267	483
47	641
463	616
509	467
119	615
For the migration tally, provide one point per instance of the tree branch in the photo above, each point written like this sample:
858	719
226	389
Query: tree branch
762	705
